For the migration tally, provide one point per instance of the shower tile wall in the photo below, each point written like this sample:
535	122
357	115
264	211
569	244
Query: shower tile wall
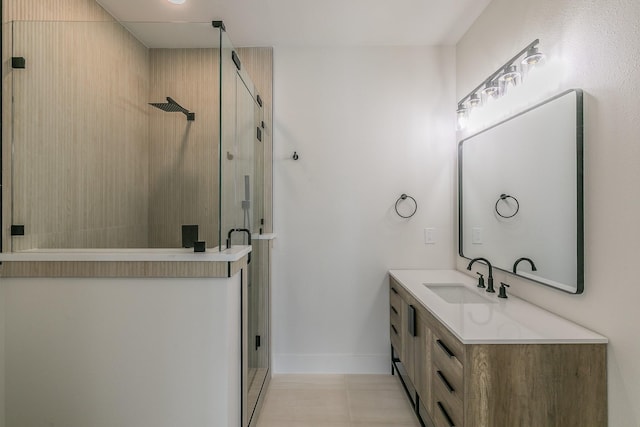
33	10
54	10
80	162
258	61
184	179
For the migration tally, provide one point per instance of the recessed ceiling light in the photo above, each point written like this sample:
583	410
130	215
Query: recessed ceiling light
177	1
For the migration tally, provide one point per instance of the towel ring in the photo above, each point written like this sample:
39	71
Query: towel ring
415	207
505	197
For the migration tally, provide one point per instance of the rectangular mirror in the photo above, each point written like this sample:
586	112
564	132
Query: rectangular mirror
520	193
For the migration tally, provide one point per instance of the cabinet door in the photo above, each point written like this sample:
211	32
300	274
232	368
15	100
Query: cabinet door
409	338
423	371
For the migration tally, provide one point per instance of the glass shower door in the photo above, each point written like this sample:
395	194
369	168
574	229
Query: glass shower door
242	188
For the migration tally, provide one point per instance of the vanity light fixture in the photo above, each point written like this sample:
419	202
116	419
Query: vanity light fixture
177	1
496	84
510	76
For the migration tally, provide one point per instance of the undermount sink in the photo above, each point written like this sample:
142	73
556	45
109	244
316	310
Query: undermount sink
457	293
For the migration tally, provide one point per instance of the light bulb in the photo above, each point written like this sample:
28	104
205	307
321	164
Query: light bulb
474	100
532	57
510	76
491	89
462	114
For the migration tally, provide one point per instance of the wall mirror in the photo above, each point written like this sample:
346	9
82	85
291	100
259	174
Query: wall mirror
520	193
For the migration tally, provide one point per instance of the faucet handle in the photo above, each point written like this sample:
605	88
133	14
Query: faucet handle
481	280
502	292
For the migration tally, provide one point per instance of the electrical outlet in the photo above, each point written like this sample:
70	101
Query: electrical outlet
429	236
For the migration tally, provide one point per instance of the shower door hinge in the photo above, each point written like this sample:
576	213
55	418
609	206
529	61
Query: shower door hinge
17	230
257	341
259	100
259	134
18	63
236	60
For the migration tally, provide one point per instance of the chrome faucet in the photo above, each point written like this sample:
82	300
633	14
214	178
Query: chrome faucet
529	260
244	230
490	278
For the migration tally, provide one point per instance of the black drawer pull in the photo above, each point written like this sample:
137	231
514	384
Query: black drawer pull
411	319
394	290
444	412
394	310
445	382
445	349
394	329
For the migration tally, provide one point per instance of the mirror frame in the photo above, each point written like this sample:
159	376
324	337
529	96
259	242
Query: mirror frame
579	189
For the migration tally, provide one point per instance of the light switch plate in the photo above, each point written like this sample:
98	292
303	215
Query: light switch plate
476	236
429	236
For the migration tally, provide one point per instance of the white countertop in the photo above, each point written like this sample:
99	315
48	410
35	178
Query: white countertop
232	254
264	236
499	321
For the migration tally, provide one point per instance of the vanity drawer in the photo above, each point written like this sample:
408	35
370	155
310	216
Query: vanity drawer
395	300
447	399
396	342
445	416
448	355
447	370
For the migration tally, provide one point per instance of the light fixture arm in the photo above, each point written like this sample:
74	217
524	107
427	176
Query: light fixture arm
499	70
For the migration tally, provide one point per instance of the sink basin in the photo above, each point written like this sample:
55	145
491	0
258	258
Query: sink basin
457	293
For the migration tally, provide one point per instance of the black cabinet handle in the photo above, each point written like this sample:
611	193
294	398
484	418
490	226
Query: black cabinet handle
444	412
445	382
412	321
394	310
394	329
445	349
394	290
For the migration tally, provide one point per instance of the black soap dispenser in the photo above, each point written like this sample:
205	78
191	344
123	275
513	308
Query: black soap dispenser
481	280
502	292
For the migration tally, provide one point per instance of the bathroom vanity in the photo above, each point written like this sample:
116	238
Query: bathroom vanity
468	358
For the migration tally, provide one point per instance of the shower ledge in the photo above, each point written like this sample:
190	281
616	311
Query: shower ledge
235	253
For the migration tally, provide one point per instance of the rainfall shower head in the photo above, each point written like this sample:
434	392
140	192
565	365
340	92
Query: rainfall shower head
172	106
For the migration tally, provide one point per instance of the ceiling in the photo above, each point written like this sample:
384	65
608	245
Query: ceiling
316	23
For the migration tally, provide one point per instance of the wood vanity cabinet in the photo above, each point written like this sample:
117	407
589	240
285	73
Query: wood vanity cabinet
407	332
499	385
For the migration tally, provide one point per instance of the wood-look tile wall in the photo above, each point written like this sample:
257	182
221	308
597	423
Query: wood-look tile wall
184	179
53	10
258	62
80	136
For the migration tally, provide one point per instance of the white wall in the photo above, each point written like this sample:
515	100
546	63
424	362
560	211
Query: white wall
369	124
599	43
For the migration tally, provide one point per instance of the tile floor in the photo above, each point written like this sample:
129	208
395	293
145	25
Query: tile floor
336	401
